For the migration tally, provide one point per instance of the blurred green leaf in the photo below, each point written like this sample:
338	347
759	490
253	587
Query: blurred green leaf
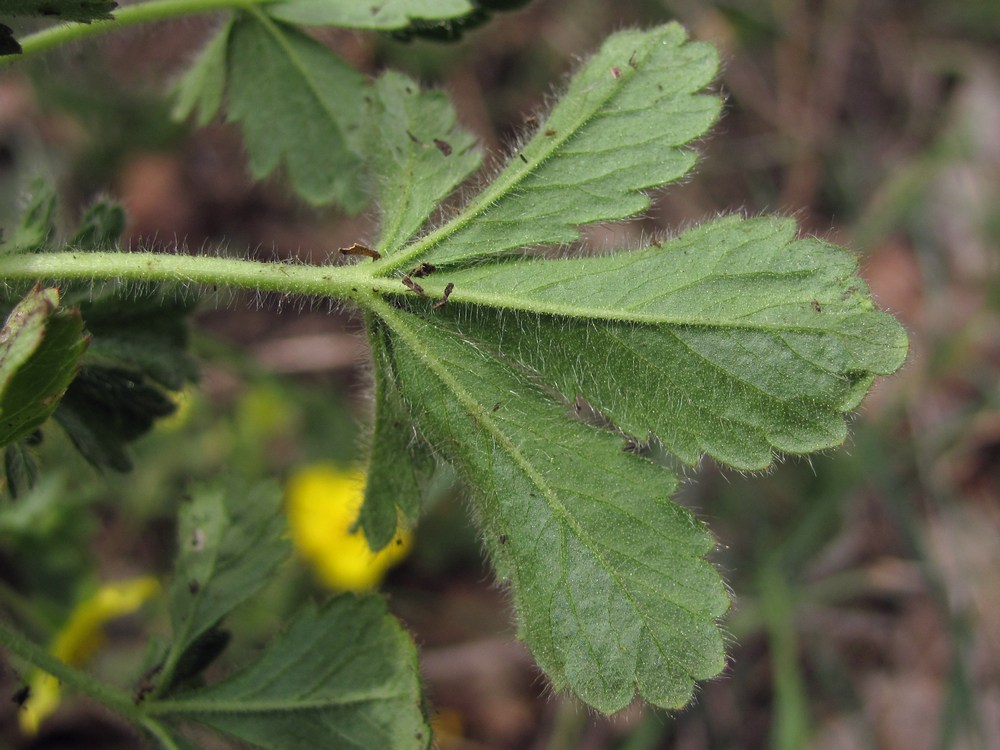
41	346
100	228
387	14
231	538
300	105
203	86
64	10
35	227
343	675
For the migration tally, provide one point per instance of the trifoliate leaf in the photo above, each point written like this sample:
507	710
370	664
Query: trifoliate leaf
419	155
300	105
41	345
343	675
609	580
622	127
384	14
203	86
400	463
231	538
734	339
64	10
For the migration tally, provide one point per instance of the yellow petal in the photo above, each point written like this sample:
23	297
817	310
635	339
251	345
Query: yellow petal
323	503
79	638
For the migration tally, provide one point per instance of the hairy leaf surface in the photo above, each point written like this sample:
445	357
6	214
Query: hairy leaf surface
419	153
608	575
343	675
735	339
400	462
621	128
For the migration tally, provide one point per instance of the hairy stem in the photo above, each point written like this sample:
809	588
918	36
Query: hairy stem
114	699
351	282
130	15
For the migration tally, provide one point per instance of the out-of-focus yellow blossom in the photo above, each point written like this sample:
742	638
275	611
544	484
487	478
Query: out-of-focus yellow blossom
323	503
184	401
79	639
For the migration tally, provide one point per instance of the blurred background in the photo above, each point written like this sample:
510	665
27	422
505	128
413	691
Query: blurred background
866	582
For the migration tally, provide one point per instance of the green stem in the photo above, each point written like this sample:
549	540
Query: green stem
130	15
352	282
114	699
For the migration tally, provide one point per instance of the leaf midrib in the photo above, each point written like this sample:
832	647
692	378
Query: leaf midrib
498	188
485	419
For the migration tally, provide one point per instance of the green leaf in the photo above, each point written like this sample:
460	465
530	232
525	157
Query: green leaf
343	675
299	105
609	580
385	14
400	463
100	228
65	10
139	351
419	155
203	86
36	226
231	538
735	339
20	468
41	346
621	128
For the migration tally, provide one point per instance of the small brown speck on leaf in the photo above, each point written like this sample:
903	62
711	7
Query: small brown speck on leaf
616	72
443	146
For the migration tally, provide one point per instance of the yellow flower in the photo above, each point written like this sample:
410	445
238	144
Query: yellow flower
323	503
79	639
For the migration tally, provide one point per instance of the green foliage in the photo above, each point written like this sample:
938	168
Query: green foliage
230	541
298	103
40	349
734	340
64	10
310	687
547	383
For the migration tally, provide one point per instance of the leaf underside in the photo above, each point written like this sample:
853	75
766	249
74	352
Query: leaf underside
735	339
